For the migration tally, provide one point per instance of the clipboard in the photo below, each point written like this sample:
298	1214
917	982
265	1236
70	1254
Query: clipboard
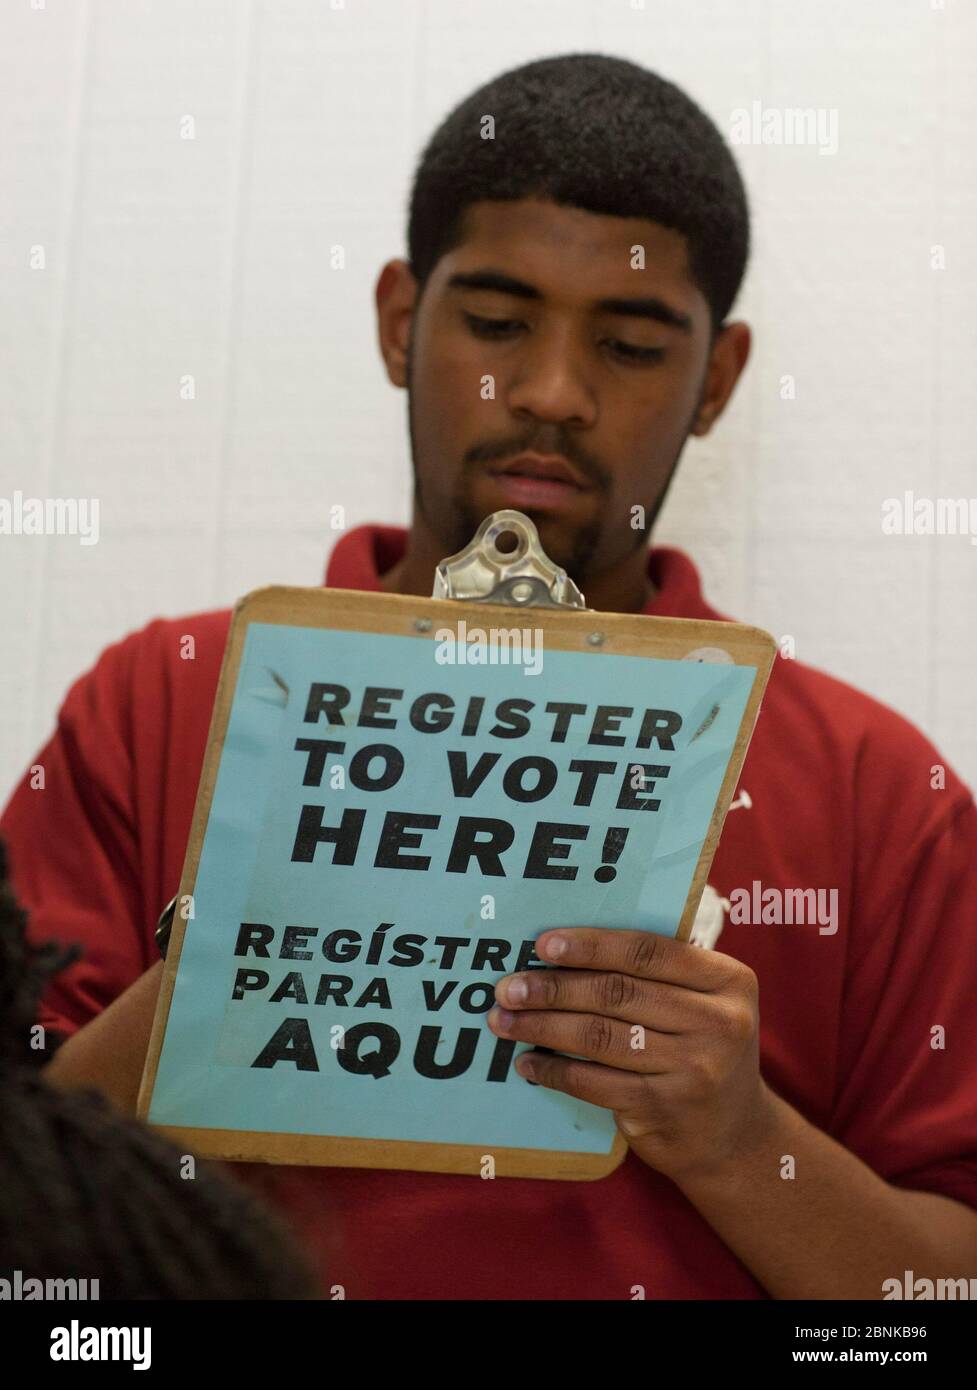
199	1086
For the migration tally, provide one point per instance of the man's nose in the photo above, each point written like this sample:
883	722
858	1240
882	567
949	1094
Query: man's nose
550	381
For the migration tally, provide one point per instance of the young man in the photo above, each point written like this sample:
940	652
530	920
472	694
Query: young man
804	1123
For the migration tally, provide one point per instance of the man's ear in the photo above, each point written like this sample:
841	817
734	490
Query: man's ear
395	295
727	358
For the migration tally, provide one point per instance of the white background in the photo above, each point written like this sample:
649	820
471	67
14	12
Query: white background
167	256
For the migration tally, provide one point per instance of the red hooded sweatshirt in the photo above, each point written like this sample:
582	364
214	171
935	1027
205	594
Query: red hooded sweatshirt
844	794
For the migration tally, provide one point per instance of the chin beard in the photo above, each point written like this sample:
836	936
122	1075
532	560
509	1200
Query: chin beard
575	554
462	523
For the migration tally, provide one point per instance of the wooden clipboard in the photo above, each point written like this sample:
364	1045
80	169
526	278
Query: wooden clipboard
484	583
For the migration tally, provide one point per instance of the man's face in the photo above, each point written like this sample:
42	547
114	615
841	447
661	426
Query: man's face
540	335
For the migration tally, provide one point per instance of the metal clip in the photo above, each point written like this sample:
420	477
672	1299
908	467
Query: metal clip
523	576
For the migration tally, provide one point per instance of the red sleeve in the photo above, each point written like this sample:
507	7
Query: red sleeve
907	1102
72	846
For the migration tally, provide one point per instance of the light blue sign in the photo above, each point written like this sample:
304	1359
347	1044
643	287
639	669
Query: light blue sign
388	836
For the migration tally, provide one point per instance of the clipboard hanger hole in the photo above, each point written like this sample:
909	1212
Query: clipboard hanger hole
510	543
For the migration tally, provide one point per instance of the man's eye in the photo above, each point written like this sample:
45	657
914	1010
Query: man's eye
491	328
628	352
504	328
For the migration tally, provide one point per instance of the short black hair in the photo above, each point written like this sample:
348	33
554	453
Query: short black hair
589	131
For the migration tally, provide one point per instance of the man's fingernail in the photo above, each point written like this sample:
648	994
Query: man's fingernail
526	1069
515	990
555	947
502	1018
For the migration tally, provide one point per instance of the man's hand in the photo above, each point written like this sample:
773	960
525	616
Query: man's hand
670	1037
692	1104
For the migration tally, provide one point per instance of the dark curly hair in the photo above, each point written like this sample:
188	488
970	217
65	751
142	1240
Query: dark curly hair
89	1193
589	131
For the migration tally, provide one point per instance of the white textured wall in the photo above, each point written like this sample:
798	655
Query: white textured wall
166	256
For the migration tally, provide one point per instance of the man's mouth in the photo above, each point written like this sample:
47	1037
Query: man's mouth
535	481
550	468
